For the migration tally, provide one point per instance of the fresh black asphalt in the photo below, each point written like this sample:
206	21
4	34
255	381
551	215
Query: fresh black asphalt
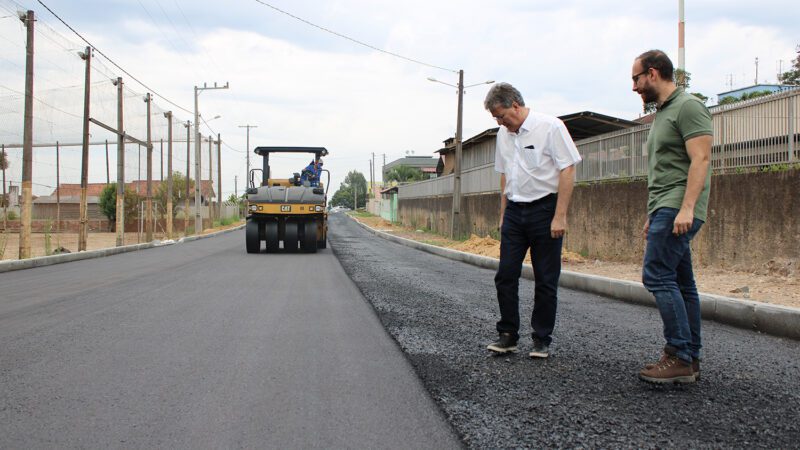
586	395
201	345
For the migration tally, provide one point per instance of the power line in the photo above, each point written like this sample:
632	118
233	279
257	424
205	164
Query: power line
351	39
112	61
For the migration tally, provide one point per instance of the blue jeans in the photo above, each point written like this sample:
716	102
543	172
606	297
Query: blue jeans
527	226
667	273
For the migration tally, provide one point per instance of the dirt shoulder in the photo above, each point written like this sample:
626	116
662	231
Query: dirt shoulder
9	243
766	286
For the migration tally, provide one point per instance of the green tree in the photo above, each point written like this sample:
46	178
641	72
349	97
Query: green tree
746	96
108	204
682	78
404	174
702	97
792	76
353	183
178	192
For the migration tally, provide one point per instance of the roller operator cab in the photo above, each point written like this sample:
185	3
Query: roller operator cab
288	213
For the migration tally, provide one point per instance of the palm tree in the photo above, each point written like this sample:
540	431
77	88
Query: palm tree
404	174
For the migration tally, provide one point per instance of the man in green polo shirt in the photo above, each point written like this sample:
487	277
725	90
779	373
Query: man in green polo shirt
678	180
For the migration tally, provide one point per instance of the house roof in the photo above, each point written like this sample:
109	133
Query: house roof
586	124
581	125
66	190
74	190
65	199
418	161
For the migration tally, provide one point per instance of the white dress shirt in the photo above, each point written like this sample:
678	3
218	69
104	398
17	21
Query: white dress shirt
533	158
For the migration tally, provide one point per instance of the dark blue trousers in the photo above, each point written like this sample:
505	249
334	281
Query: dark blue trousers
527	226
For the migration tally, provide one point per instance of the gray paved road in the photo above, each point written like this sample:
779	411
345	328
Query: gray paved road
200	345
586	395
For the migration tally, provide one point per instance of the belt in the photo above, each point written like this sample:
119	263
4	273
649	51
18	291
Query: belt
546	198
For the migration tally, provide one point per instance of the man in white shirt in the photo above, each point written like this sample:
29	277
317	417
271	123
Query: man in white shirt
536	159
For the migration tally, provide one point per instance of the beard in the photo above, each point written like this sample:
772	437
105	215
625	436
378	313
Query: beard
649	94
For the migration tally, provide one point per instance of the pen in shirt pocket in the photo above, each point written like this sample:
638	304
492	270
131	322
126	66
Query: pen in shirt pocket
530	147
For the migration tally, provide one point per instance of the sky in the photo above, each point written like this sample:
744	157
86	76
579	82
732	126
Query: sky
303	86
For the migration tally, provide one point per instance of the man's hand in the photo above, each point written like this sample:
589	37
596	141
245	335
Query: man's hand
646	228
558	227
683	222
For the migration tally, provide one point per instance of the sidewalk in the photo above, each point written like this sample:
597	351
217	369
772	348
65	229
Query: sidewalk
771	285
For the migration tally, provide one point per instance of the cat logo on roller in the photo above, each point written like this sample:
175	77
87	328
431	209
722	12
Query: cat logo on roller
287	213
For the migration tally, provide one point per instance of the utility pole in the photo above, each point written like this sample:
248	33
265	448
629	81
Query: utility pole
27	145
198	221
58	186
455	224
219	177
247	175
168	115
149	213
681	40
162	159
756	79
188	126
372	173
108	171
211	215
4	166
84	208
120	210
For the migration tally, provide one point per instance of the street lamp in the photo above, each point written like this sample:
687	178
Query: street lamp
198	221
455	218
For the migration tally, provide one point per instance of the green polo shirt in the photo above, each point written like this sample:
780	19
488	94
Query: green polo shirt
682	117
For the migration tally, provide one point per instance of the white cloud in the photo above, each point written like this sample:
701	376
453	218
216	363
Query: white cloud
302	86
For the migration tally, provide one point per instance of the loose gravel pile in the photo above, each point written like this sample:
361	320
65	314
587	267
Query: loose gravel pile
442	313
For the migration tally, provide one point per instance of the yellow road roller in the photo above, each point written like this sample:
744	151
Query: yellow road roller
289	213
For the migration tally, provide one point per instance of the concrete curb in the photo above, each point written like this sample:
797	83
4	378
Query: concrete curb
775	320
8	266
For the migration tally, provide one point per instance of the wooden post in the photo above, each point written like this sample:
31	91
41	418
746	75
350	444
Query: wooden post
210	181
219	177
108	172
58	186
3	165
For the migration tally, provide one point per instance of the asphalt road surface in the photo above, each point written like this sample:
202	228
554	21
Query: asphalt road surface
200	345
587	394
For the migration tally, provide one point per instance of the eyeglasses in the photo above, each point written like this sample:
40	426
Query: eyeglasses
635	78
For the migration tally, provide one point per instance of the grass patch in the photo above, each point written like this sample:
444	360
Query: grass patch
361	214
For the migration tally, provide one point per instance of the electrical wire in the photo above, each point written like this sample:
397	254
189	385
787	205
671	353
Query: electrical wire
415	61
112	61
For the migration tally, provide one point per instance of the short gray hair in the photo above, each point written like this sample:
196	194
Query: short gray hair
502	94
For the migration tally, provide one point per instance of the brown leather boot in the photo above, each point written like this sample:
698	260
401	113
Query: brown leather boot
669	369
695	365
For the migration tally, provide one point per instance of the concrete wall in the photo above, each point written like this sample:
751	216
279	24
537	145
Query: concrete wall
754	218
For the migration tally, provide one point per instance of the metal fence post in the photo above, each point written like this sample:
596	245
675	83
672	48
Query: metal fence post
632	172
722	140
791	129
